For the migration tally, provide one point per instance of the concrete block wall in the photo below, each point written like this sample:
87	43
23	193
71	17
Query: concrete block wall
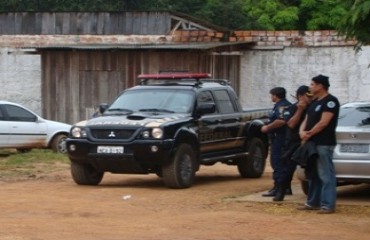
20	78
291	67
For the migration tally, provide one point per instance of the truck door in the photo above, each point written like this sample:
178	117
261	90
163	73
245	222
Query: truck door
219	131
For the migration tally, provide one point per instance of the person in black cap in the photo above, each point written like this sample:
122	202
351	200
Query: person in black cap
293	117
276	129
319	127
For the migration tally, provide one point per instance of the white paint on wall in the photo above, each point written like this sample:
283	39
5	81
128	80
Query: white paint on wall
20	78
262	70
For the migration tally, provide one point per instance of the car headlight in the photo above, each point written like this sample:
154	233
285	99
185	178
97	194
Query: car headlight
78	132
157	133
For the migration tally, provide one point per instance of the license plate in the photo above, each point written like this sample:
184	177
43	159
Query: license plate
110	149
354	148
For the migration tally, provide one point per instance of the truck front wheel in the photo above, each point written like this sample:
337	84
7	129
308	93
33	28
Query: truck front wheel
180	172
85	174
253	165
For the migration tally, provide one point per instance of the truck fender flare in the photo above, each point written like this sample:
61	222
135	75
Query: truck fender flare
253	129
186	135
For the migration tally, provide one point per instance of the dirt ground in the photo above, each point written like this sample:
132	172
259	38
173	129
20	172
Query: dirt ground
217	207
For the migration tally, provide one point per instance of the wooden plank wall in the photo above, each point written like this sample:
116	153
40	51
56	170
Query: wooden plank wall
73	82
94	23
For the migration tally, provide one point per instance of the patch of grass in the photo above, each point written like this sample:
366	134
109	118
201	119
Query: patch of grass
14	165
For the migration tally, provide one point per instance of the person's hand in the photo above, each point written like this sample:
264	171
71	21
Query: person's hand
305	135
302	104
264	129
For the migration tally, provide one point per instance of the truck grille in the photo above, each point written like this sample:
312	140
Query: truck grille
112	134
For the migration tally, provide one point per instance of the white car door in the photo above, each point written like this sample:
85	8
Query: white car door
4	131
26	131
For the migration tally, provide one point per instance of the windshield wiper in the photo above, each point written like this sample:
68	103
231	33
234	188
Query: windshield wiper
120	110
155	110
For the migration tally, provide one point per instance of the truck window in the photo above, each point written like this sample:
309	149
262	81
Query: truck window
205	97
224	102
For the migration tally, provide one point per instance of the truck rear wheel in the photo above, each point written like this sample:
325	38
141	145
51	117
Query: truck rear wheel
85	174
180	172
253	165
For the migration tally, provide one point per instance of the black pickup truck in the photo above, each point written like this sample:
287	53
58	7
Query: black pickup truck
169	125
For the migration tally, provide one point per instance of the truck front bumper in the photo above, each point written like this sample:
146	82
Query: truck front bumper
136	157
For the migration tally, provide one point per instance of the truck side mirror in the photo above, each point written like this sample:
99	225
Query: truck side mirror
103	107
205	108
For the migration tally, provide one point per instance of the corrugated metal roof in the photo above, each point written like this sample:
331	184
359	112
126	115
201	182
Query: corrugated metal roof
181	46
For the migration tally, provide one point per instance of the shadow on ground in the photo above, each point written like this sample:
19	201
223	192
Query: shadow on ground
346	195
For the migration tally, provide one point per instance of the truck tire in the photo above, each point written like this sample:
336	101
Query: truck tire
58	144
85	174
253	165
180	172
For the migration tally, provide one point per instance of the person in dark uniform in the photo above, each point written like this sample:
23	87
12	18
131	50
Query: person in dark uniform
293	116
319	127
276	128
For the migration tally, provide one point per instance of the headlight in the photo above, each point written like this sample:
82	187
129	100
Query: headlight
78	132
157	133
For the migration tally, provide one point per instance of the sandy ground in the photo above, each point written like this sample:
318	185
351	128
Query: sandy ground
220	205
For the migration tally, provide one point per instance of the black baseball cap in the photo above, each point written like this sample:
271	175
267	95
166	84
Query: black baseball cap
324	80
303	90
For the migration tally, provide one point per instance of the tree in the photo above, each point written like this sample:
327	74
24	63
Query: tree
225	13
355	24
320	14
271	14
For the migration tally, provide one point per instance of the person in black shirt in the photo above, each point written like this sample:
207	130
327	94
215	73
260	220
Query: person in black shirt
319	127
293	117
276	129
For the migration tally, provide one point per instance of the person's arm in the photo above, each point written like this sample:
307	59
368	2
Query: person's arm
295	119
324	121
302	128
275	124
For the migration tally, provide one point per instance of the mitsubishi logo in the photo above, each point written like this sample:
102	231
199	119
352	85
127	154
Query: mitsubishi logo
111	134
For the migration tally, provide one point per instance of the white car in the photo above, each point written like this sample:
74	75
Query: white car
23	130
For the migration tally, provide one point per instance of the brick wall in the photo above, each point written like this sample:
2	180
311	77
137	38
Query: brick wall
268	38
260	38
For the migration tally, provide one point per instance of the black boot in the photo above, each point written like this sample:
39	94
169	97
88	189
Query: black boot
271	192
280	193
288	189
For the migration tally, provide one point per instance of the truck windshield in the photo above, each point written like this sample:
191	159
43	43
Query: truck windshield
161	100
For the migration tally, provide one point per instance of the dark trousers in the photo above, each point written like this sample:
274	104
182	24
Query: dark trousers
277	144
289	165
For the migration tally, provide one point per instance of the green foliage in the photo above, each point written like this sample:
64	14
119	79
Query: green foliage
271	14
232	14
323	16
356	22
286	18
225	13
